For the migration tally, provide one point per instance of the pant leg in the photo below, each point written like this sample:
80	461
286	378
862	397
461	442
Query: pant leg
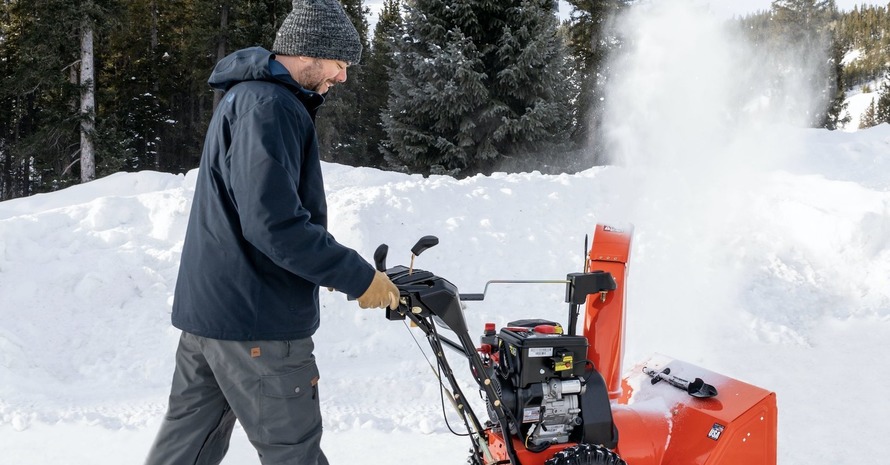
199	422
272	386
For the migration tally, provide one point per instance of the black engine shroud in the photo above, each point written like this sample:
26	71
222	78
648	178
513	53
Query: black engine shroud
552	393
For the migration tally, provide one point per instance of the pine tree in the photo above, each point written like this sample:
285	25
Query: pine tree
436	88
342	121
476	83
133	104
380	62
12	115
806	26
591	43
187	57
41	95
835	116
255	22
869	116
864	30
882	107
156	103
152	103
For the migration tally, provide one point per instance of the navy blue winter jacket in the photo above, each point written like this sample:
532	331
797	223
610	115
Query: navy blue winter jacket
257	246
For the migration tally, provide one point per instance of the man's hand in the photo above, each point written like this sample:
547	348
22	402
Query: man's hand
381	293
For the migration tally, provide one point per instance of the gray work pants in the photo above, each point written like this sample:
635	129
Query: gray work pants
271	387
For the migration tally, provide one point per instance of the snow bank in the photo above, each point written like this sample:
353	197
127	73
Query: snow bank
781	284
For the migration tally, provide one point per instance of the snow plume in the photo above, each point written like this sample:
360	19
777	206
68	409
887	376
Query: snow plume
689	89
696	112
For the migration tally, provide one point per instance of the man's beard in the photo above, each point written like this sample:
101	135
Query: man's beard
313	78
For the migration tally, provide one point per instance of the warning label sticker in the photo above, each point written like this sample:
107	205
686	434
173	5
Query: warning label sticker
530	415
716	431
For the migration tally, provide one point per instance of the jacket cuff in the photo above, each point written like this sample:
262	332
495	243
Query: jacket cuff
362	282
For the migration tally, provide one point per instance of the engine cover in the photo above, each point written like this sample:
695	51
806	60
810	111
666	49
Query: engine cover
540	383
552	399
528	357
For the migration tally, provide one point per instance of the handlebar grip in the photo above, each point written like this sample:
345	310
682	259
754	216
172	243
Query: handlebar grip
424	243
472	296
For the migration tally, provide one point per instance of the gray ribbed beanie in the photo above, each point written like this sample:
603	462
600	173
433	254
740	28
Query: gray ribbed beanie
318	29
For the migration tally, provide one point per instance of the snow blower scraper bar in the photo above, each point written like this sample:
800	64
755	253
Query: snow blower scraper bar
695	388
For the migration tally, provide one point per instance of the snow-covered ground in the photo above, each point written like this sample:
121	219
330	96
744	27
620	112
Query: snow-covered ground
781	281
761	251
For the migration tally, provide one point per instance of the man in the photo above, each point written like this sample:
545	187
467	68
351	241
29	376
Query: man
257	250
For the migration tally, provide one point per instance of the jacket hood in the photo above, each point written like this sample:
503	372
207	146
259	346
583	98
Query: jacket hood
249	64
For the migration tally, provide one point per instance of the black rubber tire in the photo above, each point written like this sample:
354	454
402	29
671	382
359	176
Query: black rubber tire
585	454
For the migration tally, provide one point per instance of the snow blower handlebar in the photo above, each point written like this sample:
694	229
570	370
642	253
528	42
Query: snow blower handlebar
578	287
481	295
423	295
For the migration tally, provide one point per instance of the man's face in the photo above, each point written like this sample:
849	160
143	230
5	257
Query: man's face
321	74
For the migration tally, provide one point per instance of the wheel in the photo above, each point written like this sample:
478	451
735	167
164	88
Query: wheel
585	454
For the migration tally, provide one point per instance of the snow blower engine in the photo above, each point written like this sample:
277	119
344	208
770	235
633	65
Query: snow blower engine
555	397
533	367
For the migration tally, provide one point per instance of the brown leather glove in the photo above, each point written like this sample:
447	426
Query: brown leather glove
381	293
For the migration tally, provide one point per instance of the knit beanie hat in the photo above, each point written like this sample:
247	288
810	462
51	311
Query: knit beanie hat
318	29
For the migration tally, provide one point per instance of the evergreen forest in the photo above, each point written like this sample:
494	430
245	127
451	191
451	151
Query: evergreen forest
457	87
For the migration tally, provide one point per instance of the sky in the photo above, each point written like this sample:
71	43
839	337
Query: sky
761	253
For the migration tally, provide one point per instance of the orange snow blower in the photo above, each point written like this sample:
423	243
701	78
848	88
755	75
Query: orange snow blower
555	397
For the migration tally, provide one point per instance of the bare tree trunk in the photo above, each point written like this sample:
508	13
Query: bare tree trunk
87	103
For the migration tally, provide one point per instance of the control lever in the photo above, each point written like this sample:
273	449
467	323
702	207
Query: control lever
379	261
422	244
380	257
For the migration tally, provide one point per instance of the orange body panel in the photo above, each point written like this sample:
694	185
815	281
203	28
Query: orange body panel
604	318
737	427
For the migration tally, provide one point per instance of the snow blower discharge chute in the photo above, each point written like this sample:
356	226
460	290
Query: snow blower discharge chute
556	397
